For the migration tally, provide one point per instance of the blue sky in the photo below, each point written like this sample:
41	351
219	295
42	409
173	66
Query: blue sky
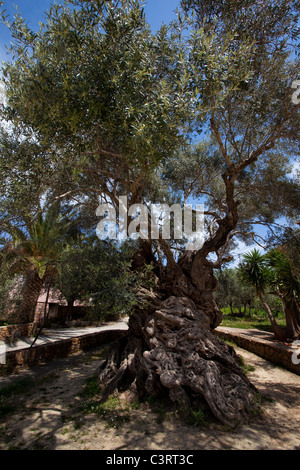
157	11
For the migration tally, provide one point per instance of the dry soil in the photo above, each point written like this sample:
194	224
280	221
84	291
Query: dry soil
48	411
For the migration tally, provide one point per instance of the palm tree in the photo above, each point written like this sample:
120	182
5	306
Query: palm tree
255	271
287	285
33	253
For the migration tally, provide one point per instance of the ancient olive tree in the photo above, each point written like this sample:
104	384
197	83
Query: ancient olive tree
116	106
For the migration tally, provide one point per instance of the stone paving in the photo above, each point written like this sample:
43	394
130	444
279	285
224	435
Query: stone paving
53	335
52	344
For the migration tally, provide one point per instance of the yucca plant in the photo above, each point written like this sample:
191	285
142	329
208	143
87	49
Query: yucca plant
255	271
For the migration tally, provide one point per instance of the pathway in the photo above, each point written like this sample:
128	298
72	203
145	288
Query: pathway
56	335
54	343
264	345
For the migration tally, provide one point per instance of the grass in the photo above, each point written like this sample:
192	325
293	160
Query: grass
114	413
158	407
17	387
258	320
91	388
246	367
5	408
109	410
196	417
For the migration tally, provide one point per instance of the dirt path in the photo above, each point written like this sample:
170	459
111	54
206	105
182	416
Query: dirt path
46	410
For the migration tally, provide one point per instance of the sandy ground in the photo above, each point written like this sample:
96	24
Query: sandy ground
48	414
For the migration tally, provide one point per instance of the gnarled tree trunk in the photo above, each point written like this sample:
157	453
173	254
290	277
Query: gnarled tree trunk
171	347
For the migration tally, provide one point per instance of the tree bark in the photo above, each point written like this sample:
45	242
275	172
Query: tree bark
279	332
171	348
292	316
30	293
250	308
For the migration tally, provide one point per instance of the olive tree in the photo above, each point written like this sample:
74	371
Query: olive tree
116	106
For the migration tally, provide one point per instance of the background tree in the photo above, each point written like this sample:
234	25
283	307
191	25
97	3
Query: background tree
288	242
98	274
256	272
8	301
112	103
34	254
233	293
287	286
274	273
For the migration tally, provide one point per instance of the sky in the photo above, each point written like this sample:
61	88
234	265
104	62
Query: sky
157	12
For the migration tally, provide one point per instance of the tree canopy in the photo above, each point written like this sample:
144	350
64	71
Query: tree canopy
106	108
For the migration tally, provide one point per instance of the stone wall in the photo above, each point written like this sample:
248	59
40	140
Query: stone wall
24	358
12	332
271	350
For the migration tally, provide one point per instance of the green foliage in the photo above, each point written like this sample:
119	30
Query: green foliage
98	273
273	271
289	243
36	247
25	169
255	270
93	74
100	107
29	258
244	116
17	387
197	417
284	279
246	367
110	411
267	23
91	387
258	320
233	292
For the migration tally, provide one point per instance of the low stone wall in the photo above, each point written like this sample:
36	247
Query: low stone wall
9	332
272	351
24	358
